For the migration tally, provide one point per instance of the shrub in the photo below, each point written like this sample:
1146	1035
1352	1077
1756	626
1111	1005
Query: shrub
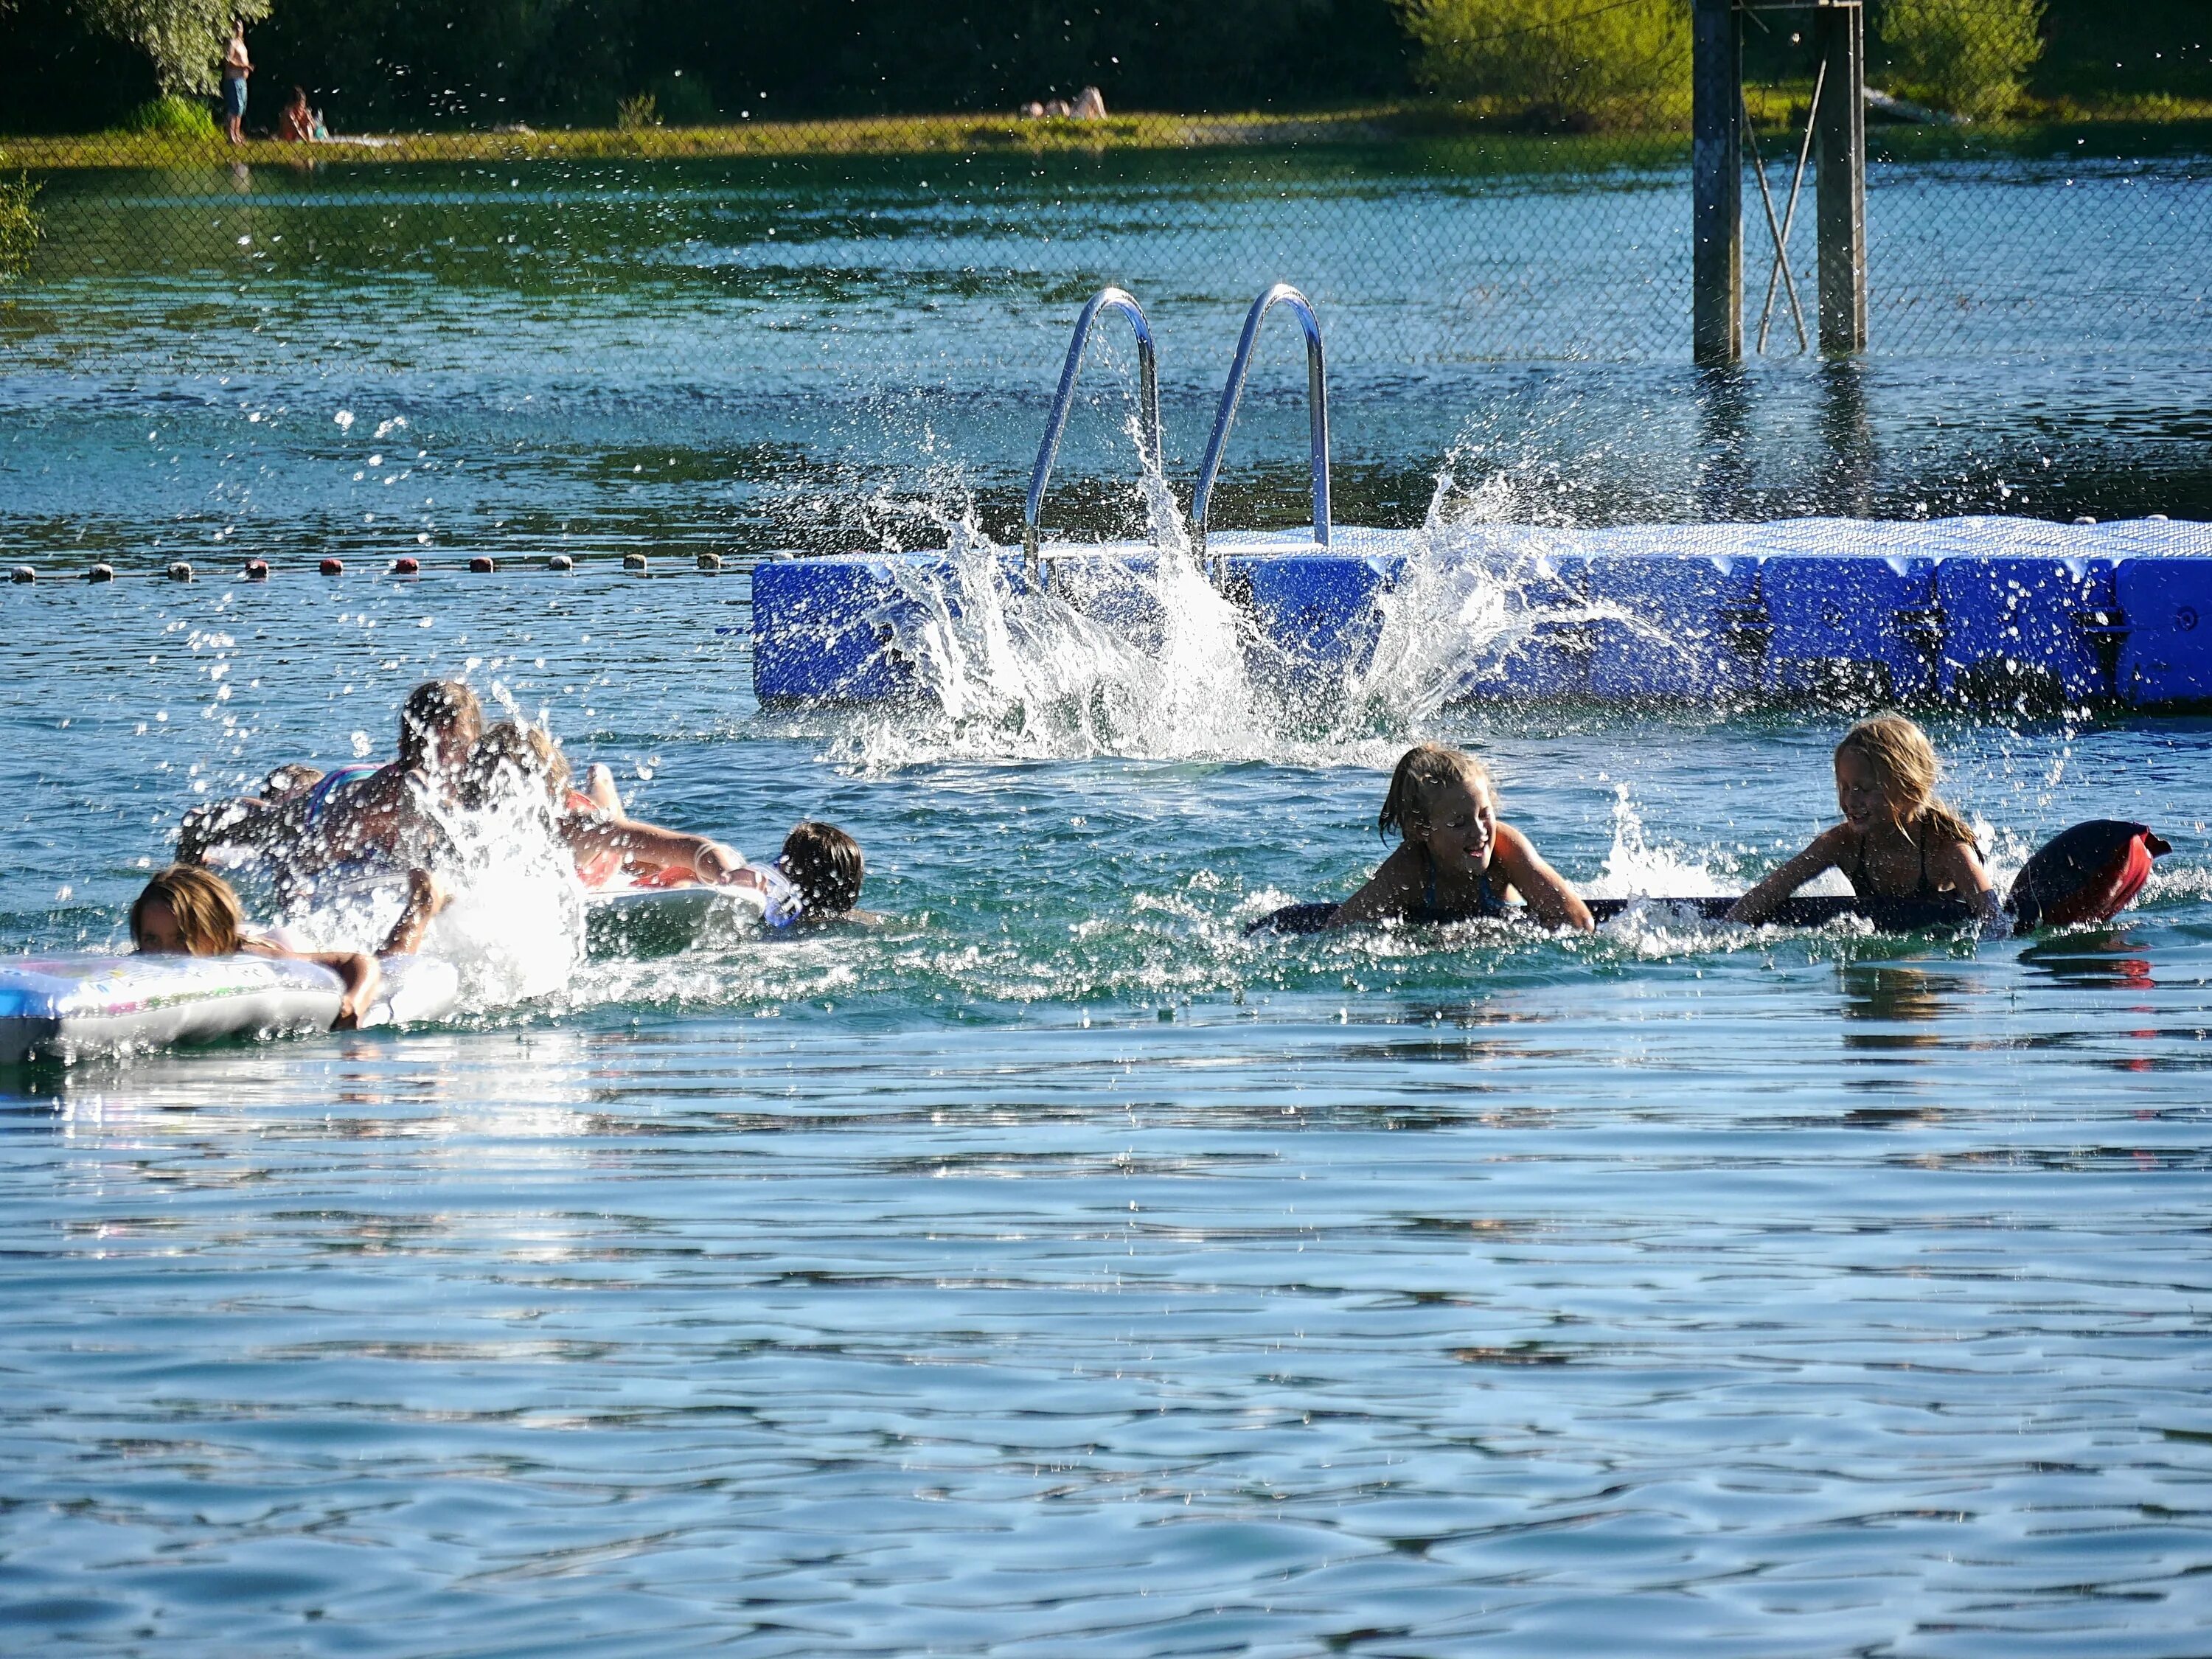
183	39
1970	57
20	229
636	114
683	99
171	117
1618	63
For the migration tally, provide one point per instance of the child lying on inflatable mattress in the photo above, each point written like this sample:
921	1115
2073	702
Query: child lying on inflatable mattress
515	763
308	822
817	878
191	912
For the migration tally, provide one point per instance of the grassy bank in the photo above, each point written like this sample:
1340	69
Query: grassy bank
908	135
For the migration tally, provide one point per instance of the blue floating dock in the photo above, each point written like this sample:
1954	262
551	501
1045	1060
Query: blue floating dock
1993	612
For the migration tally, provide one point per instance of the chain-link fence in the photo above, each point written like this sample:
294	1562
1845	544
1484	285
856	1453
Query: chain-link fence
1535	206
200	339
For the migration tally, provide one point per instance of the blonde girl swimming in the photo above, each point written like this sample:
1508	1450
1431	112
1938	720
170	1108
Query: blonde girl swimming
1456	858
1896	839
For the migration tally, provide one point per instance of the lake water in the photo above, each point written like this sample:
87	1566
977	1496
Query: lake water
1059	1271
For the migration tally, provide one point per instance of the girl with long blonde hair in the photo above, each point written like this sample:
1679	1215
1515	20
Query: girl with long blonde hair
1898	839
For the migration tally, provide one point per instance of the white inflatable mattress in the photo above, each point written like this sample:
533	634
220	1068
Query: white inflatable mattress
64	1007
656	921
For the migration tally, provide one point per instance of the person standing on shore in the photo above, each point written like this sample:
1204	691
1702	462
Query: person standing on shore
236	66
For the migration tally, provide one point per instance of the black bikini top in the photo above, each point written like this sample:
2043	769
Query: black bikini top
1862	883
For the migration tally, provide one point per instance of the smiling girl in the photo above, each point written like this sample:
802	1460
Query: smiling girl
1897	840
1457	860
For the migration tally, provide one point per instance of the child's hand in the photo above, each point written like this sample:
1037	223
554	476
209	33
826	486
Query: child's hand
723	867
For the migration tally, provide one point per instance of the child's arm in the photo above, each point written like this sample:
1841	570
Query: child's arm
648	843
1383	898
356	971
425	896
1957	865
599	788
1759	902
1549	898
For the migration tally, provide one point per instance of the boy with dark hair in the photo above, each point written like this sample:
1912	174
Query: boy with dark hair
826	866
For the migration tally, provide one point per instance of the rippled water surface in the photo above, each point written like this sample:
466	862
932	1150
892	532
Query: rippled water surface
1057	1271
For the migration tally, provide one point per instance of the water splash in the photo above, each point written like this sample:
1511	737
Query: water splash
1634	868
1128	650
515	928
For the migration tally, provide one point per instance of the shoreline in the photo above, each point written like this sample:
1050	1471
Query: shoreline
932	135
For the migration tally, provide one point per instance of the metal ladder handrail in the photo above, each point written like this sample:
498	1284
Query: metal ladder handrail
1148	393
1317	407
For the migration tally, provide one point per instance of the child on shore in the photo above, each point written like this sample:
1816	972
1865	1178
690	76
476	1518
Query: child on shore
191	912
1897	840
1457	860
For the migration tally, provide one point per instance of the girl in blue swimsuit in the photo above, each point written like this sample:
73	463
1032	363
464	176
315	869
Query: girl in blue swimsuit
1457	859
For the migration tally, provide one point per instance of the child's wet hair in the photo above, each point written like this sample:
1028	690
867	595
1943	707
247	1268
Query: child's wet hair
825	865
1904	766
1422	770
209	915
526	753
433	707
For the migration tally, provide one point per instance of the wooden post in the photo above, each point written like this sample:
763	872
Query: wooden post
1840	35
1717	182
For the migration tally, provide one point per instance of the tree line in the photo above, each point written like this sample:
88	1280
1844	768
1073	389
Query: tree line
77	66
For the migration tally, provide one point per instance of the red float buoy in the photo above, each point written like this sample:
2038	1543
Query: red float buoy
483	564
2090	873
333	566
407	565
256	570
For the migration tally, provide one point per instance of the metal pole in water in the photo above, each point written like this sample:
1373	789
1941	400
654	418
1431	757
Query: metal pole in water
1840	30
1717	182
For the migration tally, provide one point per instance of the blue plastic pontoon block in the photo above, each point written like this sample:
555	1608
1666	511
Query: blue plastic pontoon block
1544	651
1840	621
823	632
1113	589
2027	623
2166	658
1692	626
1318	610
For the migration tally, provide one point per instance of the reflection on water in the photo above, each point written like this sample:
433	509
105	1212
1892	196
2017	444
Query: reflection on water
1060	1270
1901	1005
1177	1330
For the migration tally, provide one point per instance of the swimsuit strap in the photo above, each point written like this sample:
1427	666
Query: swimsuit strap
1486	904
336	778
1860	882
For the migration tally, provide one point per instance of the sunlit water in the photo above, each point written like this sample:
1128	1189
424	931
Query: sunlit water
1060	1271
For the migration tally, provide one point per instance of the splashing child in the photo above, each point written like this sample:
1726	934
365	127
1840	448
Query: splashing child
1457	860
1897	840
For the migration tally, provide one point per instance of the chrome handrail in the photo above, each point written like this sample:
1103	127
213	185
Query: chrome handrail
1317	408
1148	393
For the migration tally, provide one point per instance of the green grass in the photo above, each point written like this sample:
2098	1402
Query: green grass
930	134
